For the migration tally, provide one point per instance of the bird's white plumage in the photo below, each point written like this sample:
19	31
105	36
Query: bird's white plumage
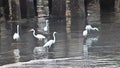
46	27
88	14
95	29
85	33
89	27
16	36
38	36
50	42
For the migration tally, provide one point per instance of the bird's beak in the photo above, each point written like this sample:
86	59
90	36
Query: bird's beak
97	29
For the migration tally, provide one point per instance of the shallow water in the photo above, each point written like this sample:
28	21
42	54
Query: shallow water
99	49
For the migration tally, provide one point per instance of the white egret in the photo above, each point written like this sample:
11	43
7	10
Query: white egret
38	36
50	42
16	36
85	33
46	27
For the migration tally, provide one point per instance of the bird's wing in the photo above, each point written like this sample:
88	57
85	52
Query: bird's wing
45	29
15	36
88	27
40	36
49	43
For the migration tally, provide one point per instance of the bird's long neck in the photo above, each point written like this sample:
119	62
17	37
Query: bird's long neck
18	29
54	37
46	24
34	33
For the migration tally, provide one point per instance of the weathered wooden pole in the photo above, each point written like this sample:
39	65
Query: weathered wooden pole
14	8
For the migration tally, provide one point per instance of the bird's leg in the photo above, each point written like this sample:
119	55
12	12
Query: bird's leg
47	48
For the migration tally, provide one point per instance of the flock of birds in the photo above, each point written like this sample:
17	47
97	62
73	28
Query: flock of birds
88	28
48	44
40	37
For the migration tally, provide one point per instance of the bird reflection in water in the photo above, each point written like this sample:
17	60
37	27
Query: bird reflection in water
16	53
39	52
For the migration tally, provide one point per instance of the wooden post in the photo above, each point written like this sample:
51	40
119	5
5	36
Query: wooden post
14	8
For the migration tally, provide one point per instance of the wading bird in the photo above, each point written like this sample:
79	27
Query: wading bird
46	27
38	36
16	36
50	42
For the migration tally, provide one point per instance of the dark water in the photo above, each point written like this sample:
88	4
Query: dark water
98	49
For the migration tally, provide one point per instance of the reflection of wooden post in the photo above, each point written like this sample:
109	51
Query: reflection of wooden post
14	8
